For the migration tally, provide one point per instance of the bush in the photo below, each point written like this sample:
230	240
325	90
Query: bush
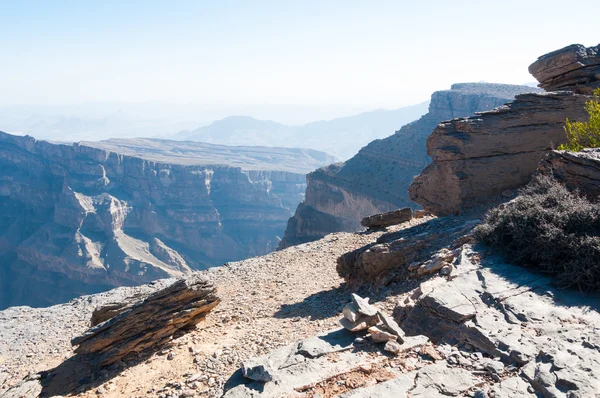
549	228
584	134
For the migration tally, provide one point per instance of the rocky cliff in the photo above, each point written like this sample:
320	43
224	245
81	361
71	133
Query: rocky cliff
376	179
76	219
482	156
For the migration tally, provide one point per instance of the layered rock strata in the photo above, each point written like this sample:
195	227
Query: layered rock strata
577	170
76	219
384	220
575	68
480	157
143	325
376	179
150	322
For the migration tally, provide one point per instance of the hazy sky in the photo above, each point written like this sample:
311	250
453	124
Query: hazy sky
368	54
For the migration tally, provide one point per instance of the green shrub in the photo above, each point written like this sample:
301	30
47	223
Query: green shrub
584	134
549	228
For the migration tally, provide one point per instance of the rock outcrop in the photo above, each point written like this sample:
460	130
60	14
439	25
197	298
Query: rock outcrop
384	220
577	170
149	322
480	157
76	220
575	68
376	179
413	252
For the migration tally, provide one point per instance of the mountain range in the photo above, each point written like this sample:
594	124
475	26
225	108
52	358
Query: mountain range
341	137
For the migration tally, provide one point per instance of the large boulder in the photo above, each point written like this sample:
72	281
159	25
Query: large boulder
575	68
149	323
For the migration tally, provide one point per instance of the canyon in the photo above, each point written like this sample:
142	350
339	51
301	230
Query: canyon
77	219
376	179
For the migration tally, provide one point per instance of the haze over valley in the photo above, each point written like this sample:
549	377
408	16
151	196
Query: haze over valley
316	199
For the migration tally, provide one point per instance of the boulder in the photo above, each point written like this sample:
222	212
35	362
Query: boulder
390	218
150	322
575	68
416	251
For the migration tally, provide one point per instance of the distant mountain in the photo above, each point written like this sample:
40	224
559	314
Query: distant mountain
341	137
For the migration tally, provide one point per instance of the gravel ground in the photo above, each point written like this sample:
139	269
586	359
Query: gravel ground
267	302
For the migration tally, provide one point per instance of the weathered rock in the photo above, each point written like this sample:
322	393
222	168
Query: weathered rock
577	170
362	323
575	68
389	324
411	251
381	336
78	220
376	179
478	158
511	313
149	323
292	367
384	220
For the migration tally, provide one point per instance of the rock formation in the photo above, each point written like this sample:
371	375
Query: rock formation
477	158
575	68
140	325
149	322
384	220
577	170
76	219
376	179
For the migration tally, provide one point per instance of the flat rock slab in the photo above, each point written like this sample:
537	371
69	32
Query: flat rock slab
384	220
516	315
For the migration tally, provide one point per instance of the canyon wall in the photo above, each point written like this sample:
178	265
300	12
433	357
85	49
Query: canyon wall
76	219
482	156
376	179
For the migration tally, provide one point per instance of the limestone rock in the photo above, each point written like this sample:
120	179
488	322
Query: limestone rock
478	158
149	323
502	311
376	179
419	250
575	68
380	336
384	220
577	170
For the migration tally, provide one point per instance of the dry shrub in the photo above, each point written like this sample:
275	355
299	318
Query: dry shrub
549	228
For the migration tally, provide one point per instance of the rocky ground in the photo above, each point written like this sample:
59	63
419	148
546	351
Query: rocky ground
267	302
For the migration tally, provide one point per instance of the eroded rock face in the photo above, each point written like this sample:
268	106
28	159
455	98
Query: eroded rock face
577	170
376	179
477	158
76	220
574	68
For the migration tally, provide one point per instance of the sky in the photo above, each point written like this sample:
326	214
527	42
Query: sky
347	54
